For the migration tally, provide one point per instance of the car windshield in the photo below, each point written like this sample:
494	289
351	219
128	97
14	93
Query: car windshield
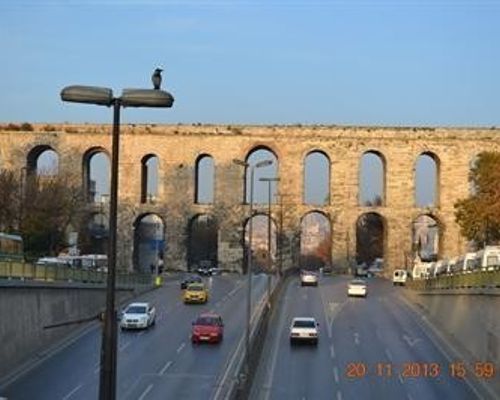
207	321
136	310
304	324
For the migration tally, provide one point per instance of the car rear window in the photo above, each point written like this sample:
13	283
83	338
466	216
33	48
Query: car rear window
304	324
208	321
136	310
195	288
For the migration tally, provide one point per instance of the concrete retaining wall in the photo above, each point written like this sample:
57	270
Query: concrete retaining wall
26	308
471	321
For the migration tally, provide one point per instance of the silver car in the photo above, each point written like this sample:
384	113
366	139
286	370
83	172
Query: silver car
138	316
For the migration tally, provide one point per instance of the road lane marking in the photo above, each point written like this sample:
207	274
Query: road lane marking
411	342
221	383
336	374
339	395
148	389
409	396
332	351
72	392
141	333
356	338
165	367
123	347
96	370
436	338
388	354
400	378
181	347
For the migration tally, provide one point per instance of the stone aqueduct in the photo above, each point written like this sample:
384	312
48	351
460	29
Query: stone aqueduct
179	146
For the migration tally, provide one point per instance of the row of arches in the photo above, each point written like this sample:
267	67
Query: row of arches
315	250
317	176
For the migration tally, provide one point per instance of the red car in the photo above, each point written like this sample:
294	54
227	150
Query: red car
208	327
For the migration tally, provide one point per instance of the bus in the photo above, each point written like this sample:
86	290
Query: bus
11	247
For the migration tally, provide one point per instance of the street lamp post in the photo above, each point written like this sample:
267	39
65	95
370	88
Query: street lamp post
269	182
129	98
260	164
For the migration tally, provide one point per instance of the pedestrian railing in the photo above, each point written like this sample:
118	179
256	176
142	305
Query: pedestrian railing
61	273
480	279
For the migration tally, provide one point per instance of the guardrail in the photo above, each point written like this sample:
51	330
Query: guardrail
467	280
59	273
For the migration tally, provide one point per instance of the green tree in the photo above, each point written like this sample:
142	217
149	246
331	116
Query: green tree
479	215
50	205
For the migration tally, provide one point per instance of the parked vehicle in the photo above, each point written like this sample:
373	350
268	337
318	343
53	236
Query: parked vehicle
399	277
440	267
465	263
451	265
488	258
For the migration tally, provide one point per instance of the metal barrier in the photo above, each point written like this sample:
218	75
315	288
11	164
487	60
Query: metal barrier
466	280
60	273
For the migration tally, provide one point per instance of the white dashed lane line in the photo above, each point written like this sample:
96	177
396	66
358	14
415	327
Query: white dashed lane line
72	392
336	374
183	344
144	394
165	367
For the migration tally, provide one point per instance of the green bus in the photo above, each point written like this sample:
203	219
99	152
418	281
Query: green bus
11	247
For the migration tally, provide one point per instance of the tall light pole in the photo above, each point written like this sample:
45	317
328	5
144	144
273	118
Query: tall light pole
129	98
269	182
259	164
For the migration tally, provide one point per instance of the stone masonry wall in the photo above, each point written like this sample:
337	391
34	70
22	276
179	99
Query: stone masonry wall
178	146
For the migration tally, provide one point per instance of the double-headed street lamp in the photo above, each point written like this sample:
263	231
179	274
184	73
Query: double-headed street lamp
129	98
259	164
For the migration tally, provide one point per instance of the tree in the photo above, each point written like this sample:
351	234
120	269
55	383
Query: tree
479	215
50	205
9	201
369	238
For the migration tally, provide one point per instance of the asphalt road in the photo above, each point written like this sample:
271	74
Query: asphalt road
158	363
368	349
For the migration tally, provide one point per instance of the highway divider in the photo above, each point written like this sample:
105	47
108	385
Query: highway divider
236	384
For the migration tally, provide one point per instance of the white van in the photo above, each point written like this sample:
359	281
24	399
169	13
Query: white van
488	258
465	263
399	277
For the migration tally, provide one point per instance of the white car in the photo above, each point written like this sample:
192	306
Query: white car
138	316
399	277
357	287
304	329
308	278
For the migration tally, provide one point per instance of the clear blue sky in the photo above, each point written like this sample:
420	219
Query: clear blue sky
396	62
